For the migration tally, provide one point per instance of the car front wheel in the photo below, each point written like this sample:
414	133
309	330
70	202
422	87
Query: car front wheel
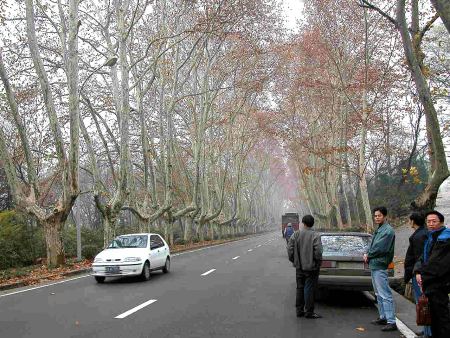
146	271
99	279
166	267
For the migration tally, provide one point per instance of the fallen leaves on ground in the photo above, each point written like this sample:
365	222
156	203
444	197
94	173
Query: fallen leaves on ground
42	273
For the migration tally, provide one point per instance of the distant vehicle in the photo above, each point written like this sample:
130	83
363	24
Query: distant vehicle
132	255
289	217
343	265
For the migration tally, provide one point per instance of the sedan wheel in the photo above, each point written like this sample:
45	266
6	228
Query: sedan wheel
166	267
146	271
99	279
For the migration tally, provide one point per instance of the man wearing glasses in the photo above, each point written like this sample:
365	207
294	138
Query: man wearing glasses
433	273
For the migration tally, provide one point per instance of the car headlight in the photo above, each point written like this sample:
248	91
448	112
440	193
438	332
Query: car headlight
132	259
98	260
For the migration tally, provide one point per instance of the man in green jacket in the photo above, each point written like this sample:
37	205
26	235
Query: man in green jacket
379	256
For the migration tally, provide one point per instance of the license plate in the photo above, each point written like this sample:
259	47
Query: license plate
350	265
112	269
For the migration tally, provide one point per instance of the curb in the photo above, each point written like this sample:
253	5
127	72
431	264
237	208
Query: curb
213	244
22	284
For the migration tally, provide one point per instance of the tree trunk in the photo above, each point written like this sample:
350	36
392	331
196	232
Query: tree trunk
427	198
54	243
443	9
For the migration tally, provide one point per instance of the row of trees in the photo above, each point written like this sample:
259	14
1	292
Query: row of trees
367	106
153	102
202	118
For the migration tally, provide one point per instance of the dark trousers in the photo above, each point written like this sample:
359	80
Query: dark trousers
440	316
306	287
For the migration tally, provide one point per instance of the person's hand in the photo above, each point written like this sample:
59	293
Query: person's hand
366	259
419	281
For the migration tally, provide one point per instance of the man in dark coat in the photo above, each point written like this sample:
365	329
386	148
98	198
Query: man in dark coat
305	252
416	243
433	273
413	254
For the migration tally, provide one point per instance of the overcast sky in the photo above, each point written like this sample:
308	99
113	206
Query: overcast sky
293	10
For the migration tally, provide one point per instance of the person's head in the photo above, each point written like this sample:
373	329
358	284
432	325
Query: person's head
308	221
435	220
416	219
379	215
289	224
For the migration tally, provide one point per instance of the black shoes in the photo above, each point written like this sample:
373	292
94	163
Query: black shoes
308	315
312	316
389	327
379	321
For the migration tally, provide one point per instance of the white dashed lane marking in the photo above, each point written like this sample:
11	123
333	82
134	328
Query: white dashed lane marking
236	257
208	272
250	250
137	308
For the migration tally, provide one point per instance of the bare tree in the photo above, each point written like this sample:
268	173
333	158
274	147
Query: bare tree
29	195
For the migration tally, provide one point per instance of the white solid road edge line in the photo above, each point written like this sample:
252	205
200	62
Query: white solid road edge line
208	247
236	257
43	286
208	272
137	308
406	331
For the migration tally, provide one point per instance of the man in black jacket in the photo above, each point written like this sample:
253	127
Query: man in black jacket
433	273
413	254
416	243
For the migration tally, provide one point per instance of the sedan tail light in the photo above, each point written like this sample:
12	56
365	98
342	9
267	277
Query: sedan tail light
328	264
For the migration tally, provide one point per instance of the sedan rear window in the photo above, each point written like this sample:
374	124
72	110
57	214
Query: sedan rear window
339	245
129	242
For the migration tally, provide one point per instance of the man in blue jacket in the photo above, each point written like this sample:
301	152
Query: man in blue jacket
379	256
433	273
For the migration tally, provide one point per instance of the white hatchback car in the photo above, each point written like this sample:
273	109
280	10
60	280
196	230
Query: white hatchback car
131	255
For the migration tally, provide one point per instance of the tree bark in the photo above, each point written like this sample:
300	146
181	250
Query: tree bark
427	198
443	9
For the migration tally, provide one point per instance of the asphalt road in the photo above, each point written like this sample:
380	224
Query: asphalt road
239	289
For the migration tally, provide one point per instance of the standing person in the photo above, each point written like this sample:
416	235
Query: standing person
379	256
288	232
413	254
305	251
433	273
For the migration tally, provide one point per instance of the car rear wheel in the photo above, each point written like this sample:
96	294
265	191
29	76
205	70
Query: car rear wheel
99	279
166	267
146	271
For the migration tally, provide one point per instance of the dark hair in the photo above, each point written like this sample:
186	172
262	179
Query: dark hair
383	210
437	213
418	218
308	220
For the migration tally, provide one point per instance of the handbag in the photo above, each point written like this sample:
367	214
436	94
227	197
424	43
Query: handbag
423	314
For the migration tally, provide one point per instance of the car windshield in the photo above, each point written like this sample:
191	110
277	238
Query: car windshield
339	245
128	242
